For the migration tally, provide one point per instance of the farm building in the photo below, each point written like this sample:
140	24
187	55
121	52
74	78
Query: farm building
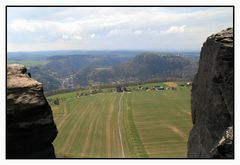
170	88
121	88
182	84
158	88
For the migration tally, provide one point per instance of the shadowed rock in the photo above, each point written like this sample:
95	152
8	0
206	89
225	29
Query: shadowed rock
212	100
30	126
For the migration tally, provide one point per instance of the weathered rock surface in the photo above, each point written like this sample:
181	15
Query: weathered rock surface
212	100
30	127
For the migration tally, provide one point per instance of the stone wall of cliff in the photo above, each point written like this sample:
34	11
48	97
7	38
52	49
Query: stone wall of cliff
212	99
30	129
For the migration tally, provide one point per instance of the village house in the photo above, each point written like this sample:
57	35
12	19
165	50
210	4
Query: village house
121	89
158	88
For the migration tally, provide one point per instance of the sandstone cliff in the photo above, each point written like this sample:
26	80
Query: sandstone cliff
212	99
30	128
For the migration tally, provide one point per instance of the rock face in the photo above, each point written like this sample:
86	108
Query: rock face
212	100
30	127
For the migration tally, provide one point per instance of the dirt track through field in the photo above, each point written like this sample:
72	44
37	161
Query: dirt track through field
108	124
119	126
176	130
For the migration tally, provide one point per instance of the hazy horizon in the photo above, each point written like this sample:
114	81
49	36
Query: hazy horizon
113	28
110	50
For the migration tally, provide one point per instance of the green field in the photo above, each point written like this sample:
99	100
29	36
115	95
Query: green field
27	63
136	124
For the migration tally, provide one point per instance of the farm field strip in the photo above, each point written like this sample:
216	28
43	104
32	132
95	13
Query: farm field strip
136	143
117	125
102	113
108	126
119	128
161	122
69	124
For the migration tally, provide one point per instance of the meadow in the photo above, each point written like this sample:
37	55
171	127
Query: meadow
27	63
134	124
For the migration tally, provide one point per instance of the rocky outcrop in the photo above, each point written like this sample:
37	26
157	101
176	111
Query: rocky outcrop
212	100
30	128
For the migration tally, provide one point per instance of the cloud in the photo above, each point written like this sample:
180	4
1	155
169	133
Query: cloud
115	25
119	32
175	29
92	35
24	25
138	32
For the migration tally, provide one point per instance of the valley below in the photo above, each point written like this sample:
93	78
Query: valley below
116	104
66	70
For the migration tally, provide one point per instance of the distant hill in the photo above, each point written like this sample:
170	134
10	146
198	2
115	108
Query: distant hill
71	71
147	66
68	65
60	71
44	55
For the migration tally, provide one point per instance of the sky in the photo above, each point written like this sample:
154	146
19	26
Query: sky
113	28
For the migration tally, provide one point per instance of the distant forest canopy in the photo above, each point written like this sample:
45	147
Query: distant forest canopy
75	69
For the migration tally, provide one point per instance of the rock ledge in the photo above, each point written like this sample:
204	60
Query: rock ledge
30	127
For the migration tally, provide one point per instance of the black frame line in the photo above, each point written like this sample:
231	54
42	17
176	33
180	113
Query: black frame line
232	6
